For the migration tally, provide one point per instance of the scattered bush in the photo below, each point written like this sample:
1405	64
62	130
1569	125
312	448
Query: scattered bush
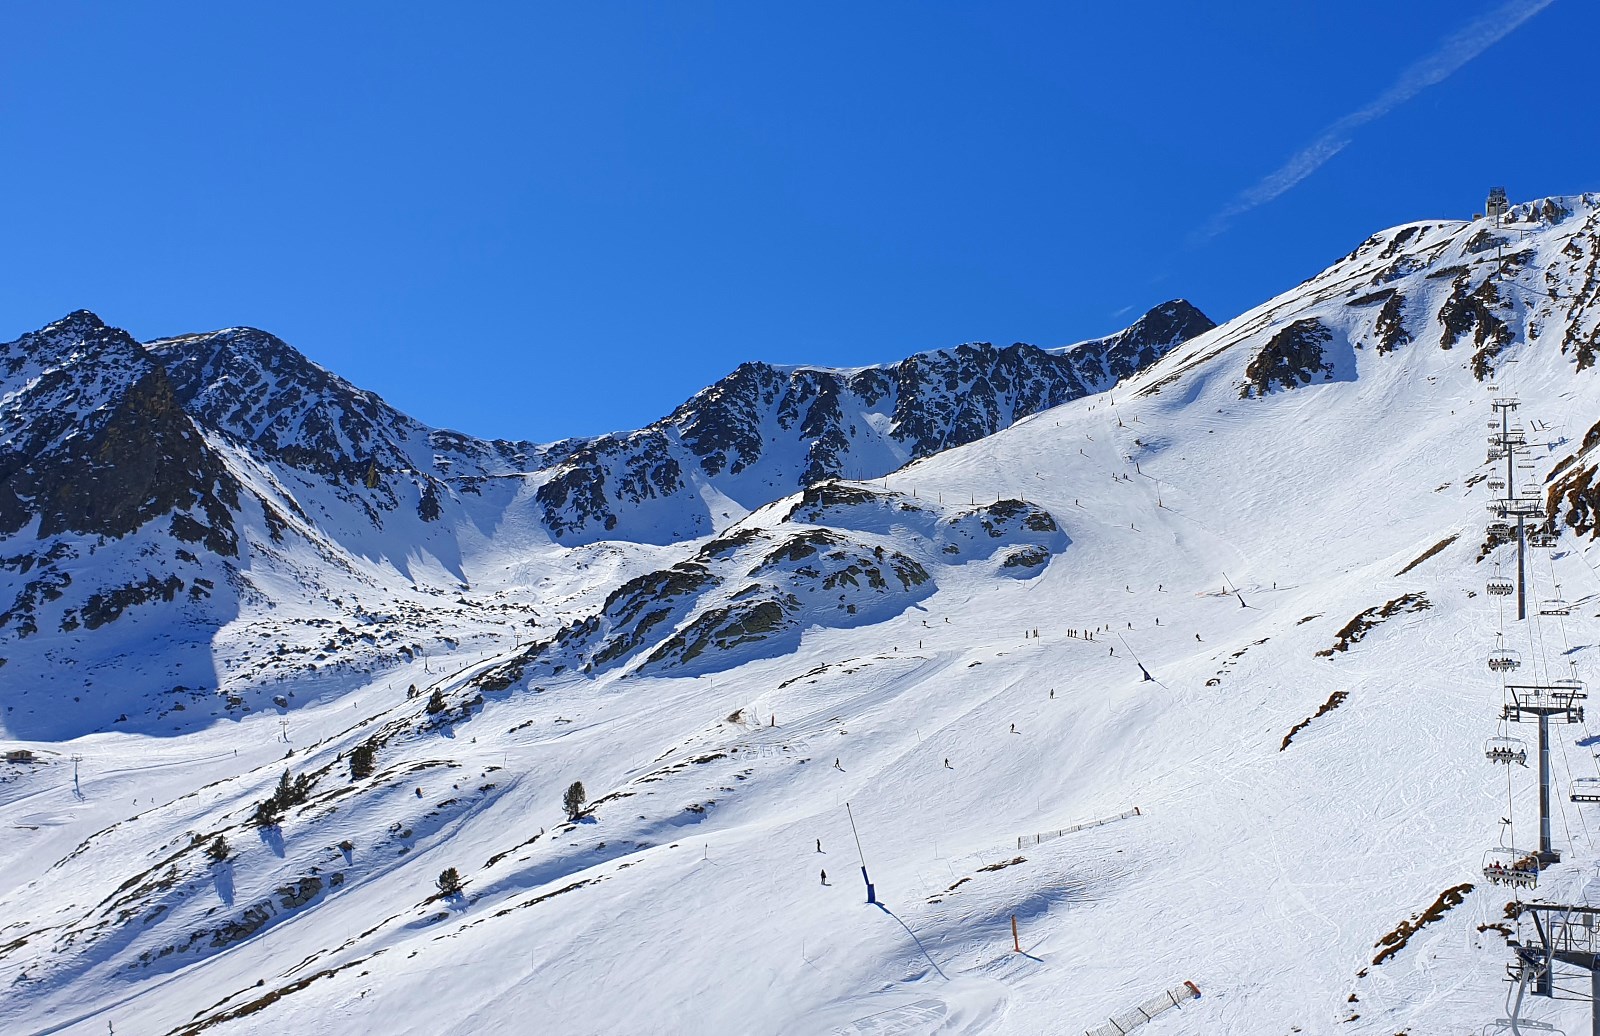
218	850
436	703
449	882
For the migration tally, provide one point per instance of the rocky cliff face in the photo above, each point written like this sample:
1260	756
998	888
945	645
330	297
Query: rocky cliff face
94	440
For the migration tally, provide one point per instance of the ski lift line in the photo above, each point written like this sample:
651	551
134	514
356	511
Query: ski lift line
1511	812
1561	804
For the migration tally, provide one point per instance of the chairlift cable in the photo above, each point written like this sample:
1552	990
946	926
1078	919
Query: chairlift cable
1584	823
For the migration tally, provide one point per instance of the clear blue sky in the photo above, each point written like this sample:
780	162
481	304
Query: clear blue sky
533	220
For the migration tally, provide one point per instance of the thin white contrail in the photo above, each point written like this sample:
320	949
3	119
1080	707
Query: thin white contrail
1456	51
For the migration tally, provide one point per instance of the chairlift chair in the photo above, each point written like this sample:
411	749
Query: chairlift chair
1498	530
1500	586
1556	607
1496	485
1506	750
1512	867
1543	538
1585	789
1503	660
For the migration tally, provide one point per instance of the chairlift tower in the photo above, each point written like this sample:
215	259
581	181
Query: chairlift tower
1563	934
1541	702
1507	442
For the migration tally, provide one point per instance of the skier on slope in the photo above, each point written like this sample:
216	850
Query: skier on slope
824	877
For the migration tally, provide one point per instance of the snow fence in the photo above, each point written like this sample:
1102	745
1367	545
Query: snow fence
1146	1011
1045	836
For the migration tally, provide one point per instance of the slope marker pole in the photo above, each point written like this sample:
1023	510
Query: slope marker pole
872	893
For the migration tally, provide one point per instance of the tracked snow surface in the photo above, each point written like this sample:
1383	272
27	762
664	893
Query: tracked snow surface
1281	520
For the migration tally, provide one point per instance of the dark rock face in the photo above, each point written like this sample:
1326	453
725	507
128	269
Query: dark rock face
98	444
1291	358
1391	326
1473	311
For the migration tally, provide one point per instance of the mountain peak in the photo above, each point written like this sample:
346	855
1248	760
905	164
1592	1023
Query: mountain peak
77	320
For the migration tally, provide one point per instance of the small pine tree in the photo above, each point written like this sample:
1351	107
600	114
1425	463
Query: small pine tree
574	799
363	759
218	850
291	791
449	882
436	703
267	813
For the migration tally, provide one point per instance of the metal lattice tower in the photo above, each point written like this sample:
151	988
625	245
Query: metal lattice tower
1541	703
1563	934
1507	442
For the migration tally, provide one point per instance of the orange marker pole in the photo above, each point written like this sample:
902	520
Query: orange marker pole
1016	944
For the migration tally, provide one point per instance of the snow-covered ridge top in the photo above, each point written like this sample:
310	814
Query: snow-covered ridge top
1440	282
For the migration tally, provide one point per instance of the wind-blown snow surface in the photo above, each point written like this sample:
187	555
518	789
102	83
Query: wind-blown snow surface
1307	453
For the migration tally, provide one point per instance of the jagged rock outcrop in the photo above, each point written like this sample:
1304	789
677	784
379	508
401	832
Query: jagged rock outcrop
1293	357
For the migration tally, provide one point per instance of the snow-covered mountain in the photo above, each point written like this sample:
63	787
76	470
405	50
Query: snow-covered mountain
933	677
200	471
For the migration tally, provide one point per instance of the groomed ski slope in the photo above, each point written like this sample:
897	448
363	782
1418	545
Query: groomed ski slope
692	902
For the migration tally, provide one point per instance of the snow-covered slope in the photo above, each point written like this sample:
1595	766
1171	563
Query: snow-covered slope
1281	521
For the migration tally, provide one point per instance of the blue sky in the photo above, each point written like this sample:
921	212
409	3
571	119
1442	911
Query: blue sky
535	220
